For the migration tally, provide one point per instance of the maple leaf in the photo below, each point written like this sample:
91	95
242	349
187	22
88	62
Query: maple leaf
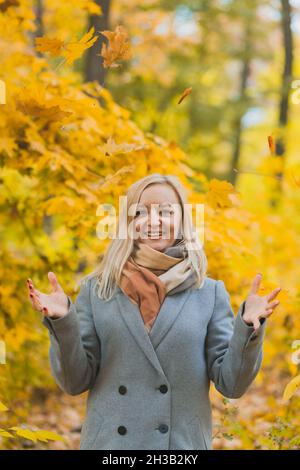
74	50
50	112
186	92
219	192
35	103
111	147
51	45
118	48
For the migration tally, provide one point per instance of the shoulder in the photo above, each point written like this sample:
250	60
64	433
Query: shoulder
92	287
208	284
213	288
207	289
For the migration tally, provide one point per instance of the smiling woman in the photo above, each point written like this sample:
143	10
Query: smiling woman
158	221
149	331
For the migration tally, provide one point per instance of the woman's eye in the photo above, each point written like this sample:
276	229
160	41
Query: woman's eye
138	213
166	212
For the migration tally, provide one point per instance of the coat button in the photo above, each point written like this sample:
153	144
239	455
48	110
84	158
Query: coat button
122	389
163	388
163	428
122	430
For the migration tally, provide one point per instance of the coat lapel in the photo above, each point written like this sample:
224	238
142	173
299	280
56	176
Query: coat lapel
170	309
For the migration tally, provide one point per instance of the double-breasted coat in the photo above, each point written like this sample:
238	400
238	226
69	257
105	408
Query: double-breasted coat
151	390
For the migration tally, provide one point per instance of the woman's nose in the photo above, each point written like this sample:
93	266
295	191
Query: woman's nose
155	219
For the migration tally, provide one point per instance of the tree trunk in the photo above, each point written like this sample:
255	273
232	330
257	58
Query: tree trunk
94	69
244	76
280	147
40	30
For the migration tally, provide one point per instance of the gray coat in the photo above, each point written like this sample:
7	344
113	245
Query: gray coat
151	391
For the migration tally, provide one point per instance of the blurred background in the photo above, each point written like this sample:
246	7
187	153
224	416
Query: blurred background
95	95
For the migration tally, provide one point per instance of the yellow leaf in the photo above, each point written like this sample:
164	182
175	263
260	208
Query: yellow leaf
219	192
3	407
93	8
186	92
52	45
46	436
26	433
291	388
4	433
111	147
8	145
35	103
74	50
118	48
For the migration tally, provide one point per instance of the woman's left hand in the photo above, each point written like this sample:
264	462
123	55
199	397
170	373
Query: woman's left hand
257	307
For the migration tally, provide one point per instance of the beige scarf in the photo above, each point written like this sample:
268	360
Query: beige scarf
149	275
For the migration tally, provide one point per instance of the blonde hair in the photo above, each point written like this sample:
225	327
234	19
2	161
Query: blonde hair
109	271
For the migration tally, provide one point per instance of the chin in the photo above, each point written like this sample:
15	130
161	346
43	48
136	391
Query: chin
158	244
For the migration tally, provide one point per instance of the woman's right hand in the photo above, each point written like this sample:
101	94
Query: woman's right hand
54	305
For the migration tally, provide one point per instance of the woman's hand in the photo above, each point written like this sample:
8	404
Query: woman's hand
54	305
257	307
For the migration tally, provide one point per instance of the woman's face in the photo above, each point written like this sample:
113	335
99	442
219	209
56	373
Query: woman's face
158	216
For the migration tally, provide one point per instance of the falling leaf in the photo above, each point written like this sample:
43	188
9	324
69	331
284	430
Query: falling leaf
186	92
218	193
51	45
74	50
271	144
118	47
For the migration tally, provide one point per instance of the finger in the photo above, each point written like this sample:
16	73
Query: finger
35	301
268	312
255	284
45	311
31	287
35	292
273	304
31	300
29	282
273	294
256	324
54	282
